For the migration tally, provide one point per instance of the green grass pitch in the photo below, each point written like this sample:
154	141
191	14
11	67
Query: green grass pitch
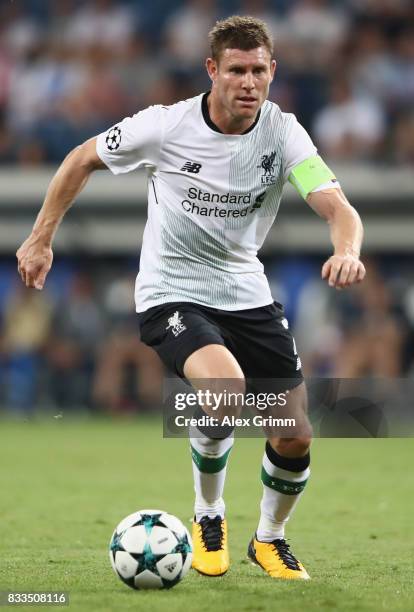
66	484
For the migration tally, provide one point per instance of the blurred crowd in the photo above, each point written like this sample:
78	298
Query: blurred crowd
69	69
76	344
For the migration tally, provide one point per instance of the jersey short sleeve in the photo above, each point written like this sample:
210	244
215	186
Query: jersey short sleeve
303	167
133	143
298	145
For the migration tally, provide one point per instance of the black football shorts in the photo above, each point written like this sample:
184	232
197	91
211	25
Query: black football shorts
259	338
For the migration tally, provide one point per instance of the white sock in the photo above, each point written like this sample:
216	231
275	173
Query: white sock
209	470
282	489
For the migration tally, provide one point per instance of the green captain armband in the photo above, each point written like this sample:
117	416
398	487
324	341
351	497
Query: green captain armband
309	174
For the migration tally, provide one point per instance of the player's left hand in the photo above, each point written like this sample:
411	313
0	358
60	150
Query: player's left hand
343	270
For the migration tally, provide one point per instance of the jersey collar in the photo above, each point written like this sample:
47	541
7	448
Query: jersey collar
213	126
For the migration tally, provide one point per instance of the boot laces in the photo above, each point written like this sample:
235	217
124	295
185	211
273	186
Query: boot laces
212	532
285	554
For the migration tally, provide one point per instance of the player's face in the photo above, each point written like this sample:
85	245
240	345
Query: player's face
241	80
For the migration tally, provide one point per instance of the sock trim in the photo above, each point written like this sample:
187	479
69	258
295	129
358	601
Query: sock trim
282	486
212	432
291	464
209	465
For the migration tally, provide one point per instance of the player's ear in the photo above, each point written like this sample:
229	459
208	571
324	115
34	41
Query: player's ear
272	69
211	66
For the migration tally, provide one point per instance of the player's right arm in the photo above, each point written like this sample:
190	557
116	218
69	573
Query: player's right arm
35	255
133	143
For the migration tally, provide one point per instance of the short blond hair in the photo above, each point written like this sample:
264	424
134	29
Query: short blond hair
238	32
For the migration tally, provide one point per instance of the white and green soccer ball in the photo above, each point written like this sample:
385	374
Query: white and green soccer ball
151	549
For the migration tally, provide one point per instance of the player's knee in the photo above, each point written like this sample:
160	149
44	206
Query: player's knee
293	447
232	399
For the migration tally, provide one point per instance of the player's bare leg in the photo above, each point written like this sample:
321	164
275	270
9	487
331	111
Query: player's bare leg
205	367
285	471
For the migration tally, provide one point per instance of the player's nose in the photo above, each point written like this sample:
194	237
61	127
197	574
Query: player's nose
248	81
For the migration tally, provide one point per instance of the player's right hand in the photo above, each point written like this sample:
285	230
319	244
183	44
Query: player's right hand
34	261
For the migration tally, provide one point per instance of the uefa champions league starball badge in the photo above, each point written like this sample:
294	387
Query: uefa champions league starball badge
113	138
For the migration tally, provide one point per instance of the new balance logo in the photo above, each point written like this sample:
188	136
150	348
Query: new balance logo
192	167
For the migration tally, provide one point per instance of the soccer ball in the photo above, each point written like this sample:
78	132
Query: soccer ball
151	549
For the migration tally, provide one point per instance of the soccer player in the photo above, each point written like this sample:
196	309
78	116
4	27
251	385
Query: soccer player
216	165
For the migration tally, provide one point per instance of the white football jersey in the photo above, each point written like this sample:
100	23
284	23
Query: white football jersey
212	198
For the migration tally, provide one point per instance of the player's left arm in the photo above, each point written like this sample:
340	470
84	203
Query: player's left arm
343	268
317	184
